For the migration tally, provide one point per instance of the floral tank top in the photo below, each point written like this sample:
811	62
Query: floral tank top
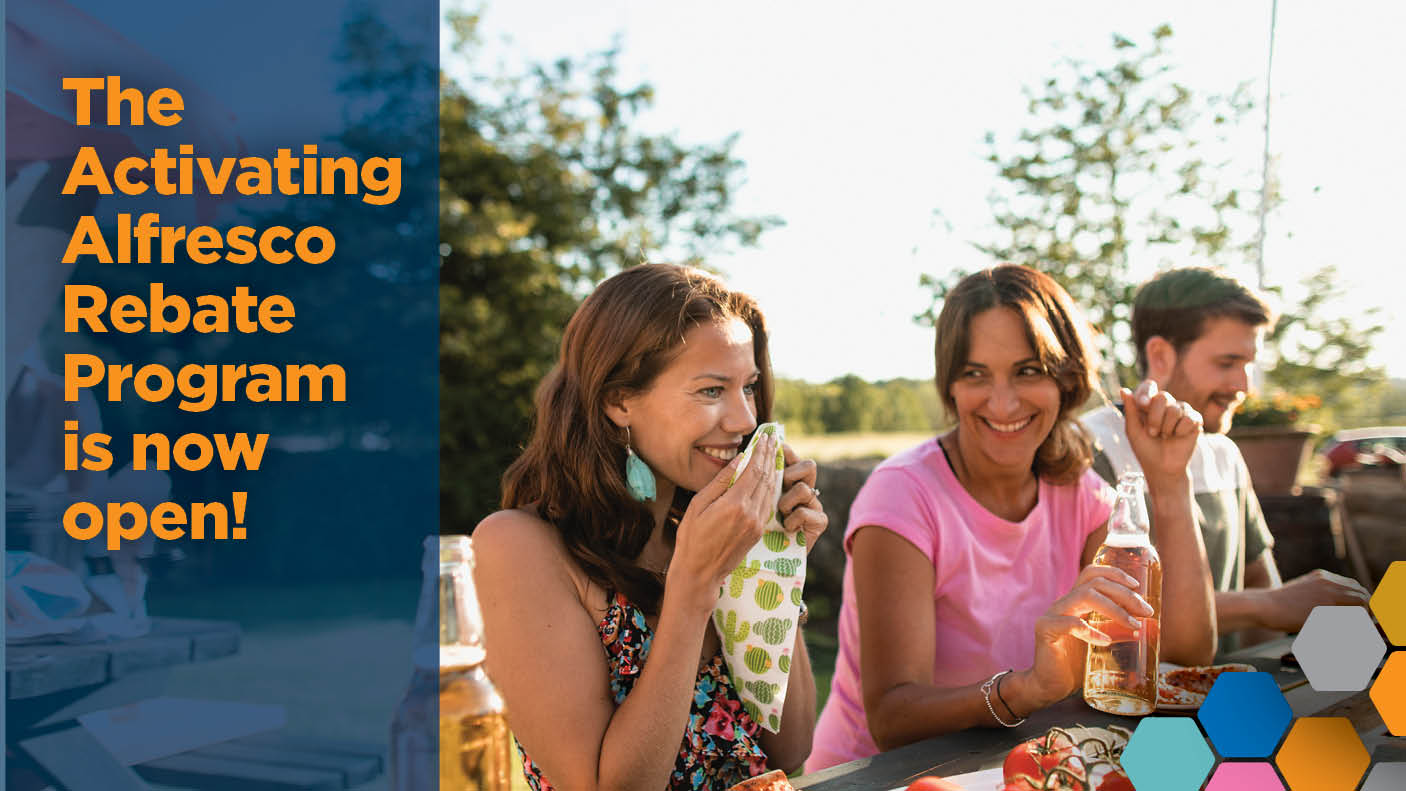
720	747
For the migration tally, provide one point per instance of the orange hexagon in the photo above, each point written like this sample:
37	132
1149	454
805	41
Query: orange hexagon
1322	754
1389	693
1389	602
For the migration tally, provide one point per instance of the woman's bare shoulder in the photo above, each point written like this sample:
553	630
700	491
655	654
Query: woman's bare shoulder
520	534
518	539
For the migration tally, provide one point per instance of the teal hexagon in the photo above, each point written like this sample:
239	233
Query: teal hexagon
1167	754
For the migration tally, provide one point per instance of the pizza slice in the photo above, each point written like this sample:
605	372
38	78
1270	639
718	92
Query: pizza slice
1188	686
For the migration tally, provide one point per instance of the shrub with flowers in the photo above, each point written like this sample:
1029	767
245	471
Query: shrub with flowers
1280	409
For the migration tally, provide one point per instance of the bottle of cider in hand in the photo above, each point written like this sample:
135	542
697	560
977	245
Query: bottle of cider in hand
474	746
1121	678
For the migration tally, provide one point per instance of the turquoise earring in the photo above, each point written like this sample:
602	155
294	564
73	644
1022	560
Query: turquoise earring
638	476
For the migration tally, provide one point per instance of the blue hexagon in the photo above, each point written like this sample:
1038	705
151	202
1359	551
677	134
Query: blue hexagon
1167	754
1245	715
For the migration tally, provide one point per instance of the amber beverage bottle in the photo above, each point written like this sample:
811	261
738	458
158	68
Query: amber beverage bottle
451	730
1121	678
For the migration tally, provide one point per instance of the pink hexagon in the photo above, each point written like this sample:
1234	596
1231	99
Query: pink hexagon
1245	776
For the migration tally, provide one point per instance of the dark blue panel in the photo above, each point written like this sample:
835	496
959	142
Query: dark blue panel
306	620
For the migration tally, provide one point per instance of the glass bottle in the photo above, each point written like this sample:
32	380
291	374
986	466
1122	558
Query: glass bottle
475	749
1121	678
470	749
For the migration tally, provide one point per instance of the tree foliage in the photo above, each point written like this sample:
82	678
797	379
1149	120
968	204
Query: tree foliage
547	185
851	404
1120	168
1121	171
1321	352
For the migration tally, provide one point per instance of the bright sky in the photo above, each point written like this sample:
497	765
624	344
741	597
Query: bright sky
859	121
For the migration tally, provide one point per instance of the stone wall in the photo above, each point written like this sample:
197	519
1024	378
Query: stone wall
839	482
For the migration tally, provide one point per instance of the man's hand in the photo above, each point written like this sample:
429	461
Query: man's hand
1285	608
1161	430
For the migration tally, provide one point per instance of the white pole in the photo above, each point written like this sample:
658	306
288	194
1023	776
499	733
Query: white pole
1264	182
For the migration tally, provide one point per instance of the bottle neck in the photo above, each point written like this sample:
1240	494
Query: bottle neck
448	623
1127	539
1127	526
460	620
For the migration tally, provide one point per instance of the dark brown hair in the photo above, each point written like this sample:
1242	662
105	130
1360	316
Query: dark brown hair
1056	330
572	471
1176	304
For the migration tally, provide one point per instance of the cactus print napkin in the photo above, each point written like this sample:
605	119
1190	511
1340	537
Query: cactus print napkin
758	605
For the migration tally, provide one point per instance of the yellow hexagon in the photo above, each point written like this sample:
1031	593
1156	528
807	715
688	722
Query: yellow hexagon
1389	602
1322	754
1389	693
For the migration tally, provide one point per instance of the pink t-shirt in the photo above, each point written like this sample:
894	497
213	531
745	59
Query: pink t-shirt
993	579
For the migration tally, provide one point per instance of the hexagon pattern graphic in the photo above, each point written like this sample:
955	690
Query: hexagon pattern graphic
1167	754
1245	715
1386	777
1339	648
1245	776
1389	693
1389	602
1322	754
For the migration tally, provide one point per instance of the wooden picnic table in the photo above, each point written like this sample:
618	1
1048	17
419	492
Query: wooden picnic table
48	685
49	679
977	749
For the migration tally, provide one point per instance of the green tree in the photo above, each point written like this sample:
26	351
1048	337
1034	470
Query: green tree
1122	170
547	186
849	405
798	406
1117	170
1317	351
901	405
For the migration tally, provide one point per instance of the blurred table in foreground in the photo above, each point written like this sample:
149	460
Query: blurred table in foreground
48	685
984	748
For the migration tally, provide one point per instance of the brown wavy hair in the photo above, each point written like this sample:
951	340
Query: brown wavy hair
573	468
1056	330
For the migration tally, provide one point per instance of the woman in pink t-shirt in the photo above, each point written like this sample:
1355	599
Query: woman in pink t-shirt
969	555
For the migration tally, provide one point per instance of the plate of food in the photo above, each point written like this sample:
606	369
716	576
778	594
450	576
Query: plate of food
1063	759
1185	688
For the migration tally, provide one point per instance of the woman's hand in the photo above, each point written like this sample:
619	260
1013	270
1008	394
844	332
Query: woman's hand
722	523
1161	430
800	507
1061	634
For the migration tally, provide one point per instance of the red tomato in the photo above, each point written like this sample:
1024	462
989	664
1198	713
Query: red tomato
1027	765
1109	778
931	783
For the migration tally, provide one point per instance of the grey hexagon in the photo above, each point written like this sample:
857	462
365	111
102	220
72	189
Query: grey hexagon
1339	648
1386	777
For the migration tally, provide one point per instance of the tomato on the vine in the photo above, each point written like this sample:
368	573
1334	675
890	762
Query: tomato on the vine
1030	762
1109	778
